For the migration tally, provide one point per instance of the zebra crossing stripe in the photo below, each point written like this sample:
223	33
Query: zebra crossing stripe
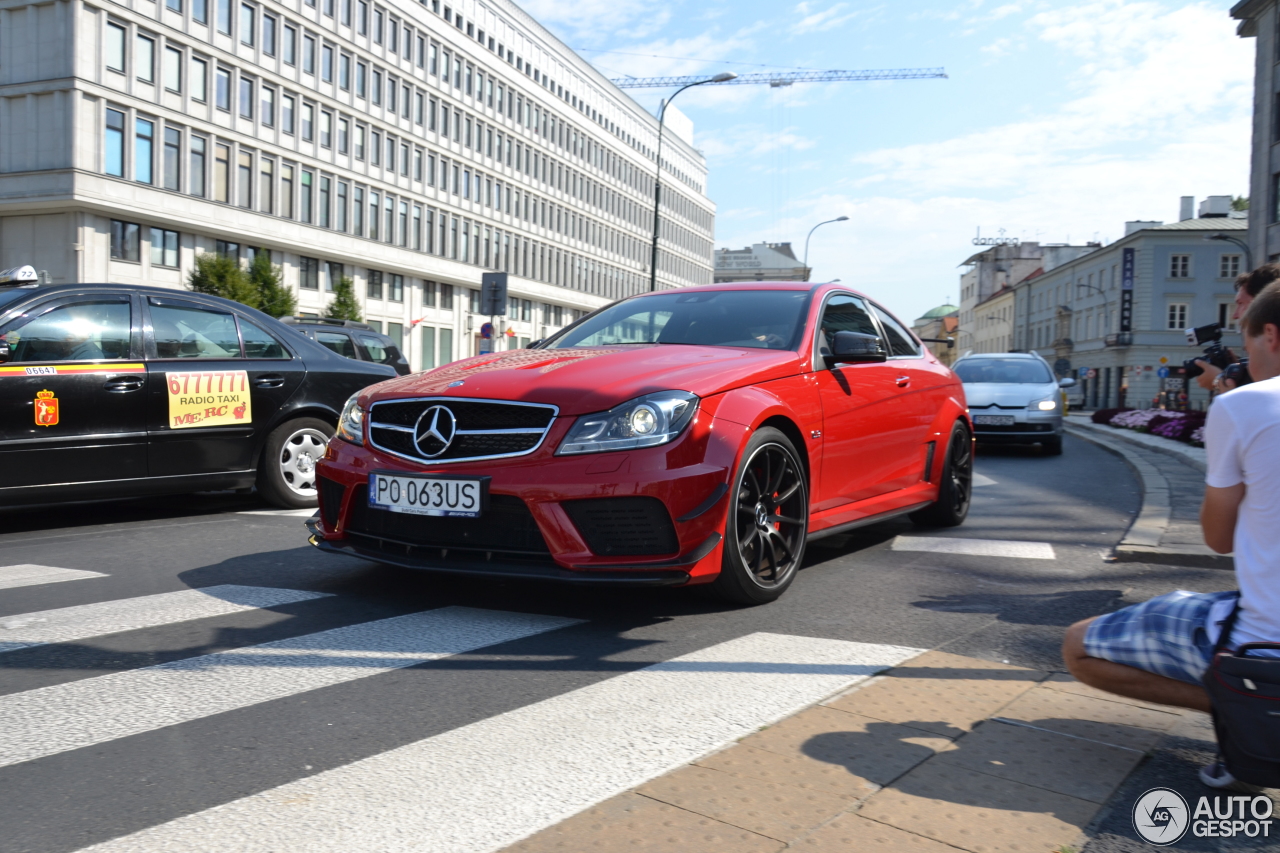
70	716
67	624
29	574
975	547
486	785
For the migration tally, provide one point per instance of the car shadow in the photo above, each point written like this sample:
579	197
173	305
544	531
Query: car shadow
1058	609
117	511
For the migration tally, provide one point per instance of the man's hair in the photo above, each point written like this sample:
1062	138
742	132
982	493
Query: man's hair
1254	282
1265	309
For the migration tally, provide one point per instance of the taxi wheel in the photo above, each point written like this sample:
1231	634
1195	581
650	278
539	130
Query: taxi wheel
954	493
767	522
287	473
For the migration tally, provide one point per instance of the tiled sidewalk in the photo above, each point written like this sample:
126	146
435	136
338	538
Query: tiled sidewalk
941	753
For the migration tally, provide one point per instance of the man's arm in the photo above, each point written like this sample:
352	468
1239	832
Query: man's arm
1218	516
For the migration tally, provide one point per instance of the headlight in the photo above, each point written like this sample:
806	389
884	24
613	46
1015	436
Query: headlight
1046	405
643	422
351	422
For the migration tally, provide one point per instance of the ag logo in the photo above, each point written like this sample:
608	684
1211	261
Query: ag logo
1160	816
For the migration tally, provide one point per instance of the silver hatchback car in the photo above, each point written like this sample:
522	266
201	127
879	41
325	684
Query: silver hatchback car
1013	398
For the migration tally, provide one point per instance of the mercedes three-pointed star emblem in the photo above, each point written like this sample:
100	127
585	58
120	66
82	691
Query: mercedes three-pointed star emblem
434	431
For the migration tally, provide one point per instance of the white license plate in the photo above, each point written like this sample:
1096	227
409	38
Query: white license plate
994	420
439	496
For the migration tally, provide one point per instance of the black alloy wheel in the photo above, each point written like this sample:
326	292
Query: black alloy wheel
767	522
955	490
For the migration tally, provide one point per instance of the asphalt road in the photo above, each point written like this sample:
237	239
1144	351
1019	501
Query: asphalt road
135	760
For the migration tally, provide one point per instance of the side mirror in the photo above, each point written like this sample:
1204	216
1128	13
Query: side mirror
1066	382
854	348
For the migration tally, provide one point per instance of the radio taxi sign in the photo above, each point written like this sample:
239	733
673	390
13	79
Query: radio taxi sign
209	398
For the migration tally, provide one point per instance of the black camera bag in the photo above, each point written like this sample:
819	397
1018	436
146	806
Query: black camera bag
1245	693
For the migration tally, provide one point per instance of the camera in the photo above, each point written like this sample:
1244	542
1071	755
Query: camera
1210	337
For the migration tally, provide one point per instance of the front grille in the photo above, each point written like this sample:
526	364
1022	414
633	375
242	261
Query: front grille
981	428
484	429
624	527
506	527
330	501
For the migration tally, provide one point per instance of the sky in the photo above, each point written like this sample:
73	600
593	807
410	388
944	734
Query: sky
1058	121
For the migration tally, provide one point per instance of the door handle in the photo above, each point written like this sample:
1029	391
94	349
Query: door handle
120	384
270	380
903	381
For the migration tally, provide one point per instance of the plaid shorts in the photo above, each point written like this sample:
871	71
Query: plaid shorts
1165	635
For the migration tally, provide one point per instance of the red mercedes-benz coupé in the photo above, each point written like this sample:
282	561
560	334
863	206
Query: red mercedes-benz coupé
689	436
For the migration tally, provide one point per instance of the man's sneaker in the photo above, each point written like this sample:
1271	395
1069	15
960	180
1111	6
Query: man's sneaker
1216	775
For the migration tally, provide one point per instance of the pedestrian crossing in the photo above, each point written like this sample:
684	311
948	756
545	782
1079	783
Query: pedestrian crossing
474	787
29	574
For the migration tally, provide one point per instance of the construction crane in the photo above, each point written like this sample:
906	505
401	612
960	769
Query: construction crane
779	80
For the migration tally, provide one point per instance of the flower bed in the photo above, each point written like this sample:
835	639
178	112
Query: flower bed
1187	427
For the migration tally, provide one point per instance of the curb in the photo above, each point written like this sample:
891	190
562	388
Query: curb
1141	542
1165	446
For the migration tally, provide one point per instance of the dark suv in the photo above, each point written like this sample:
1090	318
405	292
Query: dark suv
114	390
352	340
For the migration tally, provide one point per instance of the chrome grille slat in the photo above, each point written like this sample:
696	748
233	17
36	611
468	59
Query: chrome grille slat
395	431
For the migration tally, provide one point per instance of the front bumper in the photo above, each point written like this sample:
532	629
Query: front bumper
1027	428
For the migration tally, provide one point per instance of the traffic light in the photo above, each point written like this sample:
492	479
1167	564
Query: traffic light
493	294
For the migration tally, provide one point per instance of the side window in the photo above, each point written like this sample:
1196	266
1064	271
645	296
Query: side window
900	340
341	344
377	349
258	343
845	314
191	332
82	331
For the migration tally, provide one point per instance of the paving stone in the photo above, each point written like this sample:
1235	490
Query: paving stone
858	746
1067	684
632	822
1055	762
783	812
849	833
941	693
978	812
1095	719
798	771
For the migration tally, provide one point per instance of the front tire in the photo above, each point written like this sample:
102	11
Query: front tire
768	520
287	472
956	489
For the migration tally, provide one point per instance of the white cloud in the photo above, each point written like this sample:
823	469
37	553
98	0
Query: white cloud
752	140
821	19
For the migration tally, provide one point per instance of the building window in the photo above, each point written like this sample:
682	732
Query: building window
286	191
200	11
199	79
308	121
172	158
268	35
373	285
390	236
357	211
304	193
124	240
326	129
335	275
1226	316
268	106
377	87
397	289
246	24
224	16
164	248
289	46
374	199
1179	266
308	54
196	176
144	135
309	273
324	202
221	172
223	95
244	174
266	184
362	78
344	135
344	72
326	64
246	98
286	114
226	249
173	69
144	59
1229	266
417	228
114	144
115	47
1177	316
340	208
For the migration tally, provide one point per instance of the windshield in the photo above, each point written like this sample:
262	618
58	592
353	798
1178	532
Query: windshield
761	319
1011	371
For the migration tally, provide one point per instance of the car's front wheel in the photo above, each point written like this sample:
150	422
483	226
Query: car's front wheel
956	488
287	473
768	520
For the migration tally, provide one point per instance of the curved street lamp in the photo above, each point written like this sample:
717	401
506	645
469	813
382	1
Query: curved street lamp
810	234
1248	255
657	178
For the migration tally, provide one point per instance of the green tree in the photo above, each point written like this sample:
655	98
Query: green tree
344	306
273	297
219	275
1240	202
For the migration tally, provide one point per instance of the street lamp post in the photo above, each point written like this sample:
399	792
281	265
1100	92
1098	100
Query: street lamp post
810	234
1244	247
657	179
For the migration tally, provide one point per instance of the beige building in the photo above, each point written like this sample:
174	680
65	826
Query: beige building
759	262
408	145
993	323
939	323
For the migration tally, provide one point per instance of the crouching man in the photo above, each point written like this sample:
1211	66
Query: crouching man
1158	651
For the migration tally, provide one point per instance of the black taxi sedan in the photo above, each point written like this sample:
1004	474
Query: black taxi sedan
114	390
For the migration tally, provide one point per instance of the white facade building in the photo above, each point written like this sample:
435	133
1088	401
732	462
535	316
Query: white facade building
409	146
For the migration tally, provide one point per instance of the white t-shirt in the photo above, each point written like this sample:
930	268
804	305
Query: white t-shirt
1242	443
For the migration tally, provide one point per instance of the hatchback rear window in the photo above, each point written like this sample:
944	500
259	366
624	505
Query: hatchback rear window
1011	371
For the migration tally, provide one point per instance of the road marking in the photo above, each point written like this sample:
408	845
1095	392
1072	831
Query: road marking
486	785
975	547
29	574
982	480
127	614
284	513
69	716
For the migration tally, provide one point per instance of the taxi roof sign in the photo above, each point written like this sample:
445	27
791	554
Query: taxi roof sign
19	275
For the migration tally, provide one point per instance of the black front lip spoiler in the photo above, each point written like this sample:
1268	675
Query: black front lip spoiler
498	568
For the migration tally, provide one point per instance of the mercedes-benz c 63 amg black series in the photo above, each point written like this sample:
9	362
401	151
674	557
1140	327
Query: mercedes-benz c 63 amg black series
112	390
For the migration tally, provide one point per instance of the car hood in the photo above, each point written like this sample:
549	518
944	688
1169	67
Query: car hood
1008	395
583	380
